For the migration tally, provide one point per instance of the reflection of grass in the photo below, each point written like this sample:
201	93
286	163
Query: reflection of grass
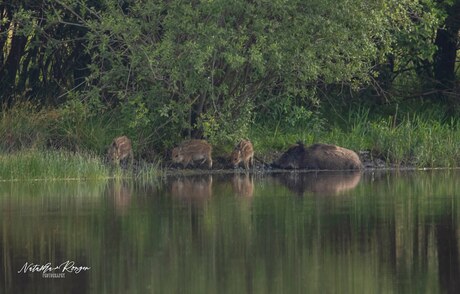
33	164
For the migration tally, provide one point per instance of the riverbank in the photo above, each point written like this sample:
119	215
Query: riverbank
64	165
73	138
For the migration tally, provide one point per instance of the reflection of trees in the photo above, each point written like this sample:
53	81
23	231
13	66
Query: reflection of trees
387	233
424	230
447	249
41	222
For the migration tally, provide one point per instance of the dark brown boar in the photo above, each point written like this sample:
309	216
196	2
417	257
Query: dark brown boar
193	150
319	157
243	152
121	150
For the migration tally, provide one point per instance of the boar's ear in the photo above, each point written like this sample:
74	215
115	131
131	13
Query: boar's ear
301	145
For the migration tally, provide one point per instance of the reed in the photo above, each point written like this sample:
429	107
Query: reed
411	141
50	165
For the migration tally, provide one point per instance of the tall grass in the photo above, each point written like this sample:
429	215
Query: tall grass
412	140
422	139
64	165
71	127
50	165
75	126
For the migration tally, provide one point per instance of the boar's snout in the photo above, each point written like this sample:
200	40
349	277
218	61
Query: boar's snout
291	159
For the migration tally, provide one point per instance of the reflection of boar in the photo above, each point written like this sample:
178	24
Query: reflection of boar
243	186
322	183
120	149
243	152
319	156
193	150
192	188
120	193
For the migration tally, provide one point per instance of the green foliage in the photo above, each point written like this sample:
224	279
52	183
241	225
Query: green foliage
226	127
26	126
202	67
280	131
50	165
74	126
160	71
410	141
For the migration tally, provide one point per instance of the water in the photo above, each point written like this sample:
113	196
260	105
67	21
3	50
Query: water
386	232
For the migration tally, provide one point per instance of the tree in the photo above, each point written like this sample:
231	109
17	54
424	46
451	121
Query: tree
176	69
447	42
42	49
203	66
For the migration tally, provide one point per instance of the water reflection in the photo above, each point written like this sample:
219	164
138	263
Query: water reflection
322	183
448	253
120	194
392	233
243	185
197	188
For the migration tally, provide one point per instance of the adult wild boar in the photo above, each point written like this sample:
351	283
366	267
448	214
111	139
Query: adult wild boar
319	157
120	150
193	150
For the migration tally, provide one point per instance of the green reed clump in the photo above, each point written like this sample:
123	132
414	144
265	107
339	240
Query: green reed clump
148	172
413	141
26	126
50	165
409	141
72	126
439	144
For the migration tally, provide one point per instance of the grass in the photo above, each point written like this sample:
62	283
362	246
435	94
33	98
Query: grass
421	139
413	140
64	165
50	165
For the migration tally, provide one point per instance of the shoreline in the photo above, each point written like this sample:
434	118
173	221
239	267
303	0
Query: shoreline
50	166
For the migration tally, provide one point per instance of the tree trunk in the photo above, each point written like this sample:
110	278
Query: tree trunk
11	68
445	59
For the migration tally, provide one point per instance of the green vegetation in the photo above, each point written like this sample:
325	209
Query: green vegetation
408	140
50	165
33	164
367	75
411	141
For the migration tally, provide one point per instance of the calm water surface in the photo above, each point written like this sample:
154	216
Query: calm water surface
329	232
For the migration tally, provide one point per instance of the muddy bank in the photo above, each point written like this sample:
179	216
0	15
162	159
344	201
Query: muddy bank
263	163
